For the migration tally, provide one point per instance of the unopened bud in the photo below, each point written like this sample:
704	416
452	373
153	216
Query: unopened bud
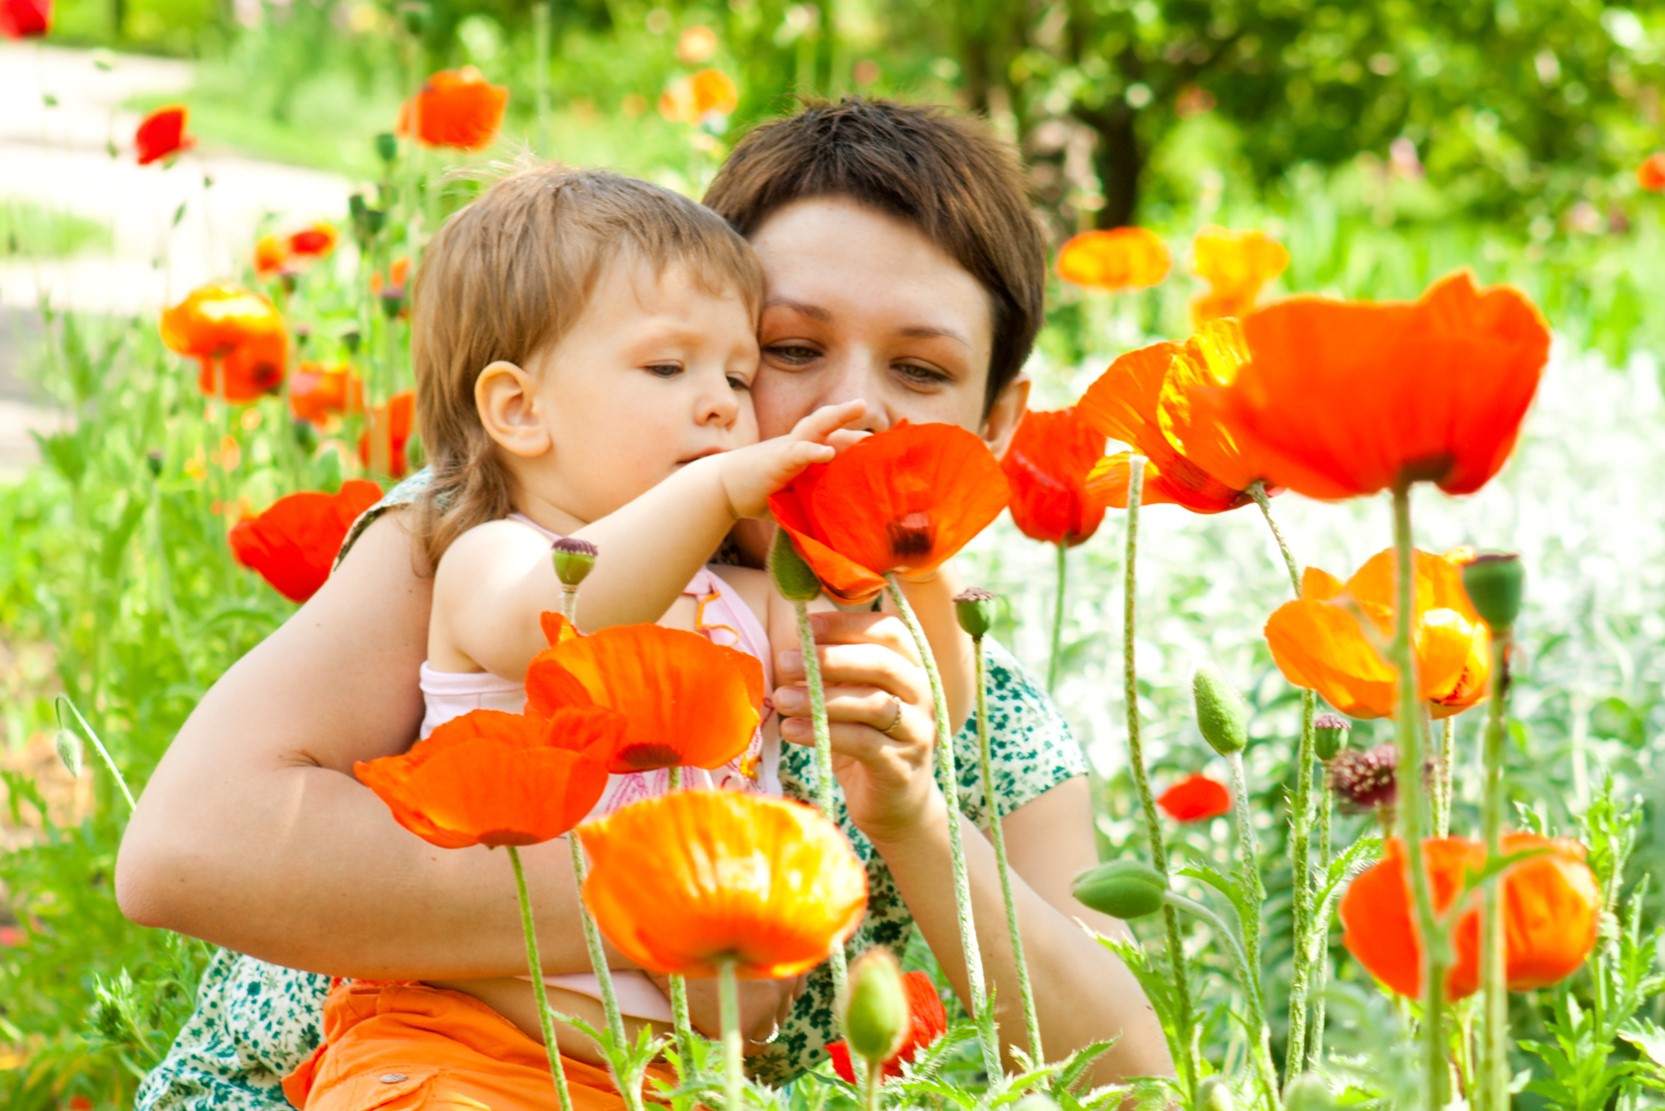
975	609
1308	1093
1215	1095
393	302
573	559
1121	889
793	577
387	146
1365	780
1329	734
1221	715
1036	1101
69	751
1494	583
153	463
876	1017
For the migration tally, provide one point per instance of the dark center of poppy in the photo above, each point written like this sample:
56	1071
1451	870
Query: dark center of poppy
268	376
646	757
911	536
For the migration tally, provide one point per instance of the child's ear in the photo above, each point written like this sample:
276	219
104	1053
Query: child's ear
506	398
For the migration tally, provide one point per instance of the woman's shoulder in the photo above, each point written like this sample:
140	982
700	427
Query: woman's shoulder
401	496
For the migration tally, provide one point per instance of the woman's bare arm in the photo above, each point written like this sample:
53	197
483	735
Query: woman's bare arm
253	834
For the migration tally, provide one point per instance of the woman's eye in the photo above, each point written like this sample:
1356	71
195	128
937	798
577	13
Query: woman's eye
921	375
664	370
791	353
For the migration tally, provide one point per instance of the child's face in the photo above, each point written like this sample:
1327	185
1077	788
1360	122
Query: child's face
655	373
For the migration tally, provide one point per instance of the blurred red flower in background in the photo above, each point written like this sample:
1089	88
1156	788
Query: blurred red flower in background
294	542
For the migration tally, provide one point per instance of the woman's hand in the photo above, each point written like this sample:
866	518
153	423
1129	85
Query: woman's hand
764	1005
879	714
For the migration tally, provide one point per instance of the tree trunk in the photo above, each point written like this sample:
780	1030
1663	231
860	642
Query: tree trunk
1119	161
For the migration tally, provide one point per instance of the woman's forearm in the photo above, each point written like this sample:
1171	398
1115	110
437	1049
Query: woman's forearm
1082	992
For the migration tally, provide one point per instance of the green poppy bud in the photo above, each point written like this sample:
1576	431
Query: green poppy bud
1215	1095
1308	1093
1494	583
875	1013
1329	732
975	609
573	559
387	146
1221	715
1121	888
793	577
69	751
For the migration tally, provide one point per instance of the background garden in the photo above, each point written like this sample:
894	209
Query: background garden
1383	144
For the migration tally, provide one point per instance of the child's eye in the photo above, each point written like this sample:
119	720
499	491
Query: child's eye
735	381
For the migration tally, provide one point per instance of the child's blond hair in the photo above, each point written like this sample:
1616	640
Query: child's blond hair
510	274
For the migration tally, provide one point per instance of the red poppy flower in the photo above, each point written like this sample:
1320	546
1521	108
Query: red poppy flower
1196	798
1318	643
1650	175
391	425
1343	398
316	392
1235	264
294	542
162	133
248	371
237	335
455	108
1047	465
693	100
25	19
686	881
902	500
490	778
314	242
1121	258
707	698
927	1021
1148	399
270	255
1551	909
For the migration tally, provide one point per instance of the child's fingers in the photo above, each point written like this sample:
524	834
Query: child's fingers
844	437
823	421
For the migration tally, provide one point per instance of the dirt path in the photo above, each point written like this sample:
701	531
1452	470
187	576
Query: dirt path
63	114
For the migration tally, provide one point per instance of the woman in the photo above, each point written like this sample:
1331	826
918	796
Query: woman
904	267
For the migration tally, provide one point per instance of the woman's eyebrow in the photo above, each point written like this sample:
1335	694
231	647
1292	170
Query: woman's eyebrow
931	331
814	312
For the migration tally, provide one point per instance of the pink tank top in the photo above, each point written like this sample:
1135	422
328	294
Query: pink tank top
723	618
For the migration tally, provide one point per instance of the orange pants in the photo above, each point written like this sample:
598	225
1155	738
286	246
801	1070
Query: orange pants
410	1047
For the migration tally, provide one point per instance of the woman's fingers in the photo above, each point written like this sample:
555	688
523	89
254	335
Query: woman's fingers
882	629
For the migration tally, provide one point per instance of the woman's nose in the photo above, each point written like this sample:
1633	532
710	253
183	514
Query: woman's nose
855	378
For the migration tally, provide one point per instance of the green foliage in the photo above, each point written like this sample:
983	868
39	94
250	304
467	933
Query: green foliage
30	230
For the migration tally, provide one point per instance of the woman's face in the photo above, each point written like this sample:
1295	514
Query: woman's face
861	304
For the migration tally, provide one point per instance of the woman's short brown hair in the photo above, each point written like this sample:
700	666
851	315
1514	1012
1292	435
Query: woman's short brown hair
944	173
511	274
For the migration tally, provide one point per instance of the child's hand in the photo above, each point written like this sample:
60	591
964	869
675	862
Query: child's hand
750	474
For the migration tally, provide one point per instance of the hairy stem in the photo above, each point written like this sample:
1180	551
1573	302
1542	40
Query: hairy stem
1057	619
546	1019
823	755
1494	1057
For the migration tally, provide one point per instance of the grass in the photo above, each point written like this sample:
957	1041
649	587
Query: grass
32	230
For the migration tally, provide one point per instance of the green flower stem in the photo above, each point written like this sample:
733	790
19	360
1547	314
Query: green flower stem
1442	819
569	605
1413	816
1317	955
997	836
823	755
1248	861
546	1018
678	985
1266	1075
59	705
604	975
543	16
1185	1022
728	986
948	783
1494	1057
1057	619
1300	833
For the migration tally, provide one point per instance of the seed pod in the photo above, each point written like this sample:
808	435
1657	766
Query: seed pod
793	577
387	146
876	1017
573	559
1494	583
1121	888
1329	733
1221	715
975	609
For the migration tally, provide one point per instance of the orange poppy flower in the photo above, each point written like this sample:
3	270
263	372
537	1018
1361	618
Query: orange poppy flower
699	98
904	500
317	391
1235	264
1148	400
162	133
683	882
237	335
294	542
491	778
1047	465
1121	258
927	1021
707	698
398	273
1318	643
455	108
270	255
1551	909
248	372
695	45
25	19
314	242
391	424
1196	798
1650	175
1343	398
